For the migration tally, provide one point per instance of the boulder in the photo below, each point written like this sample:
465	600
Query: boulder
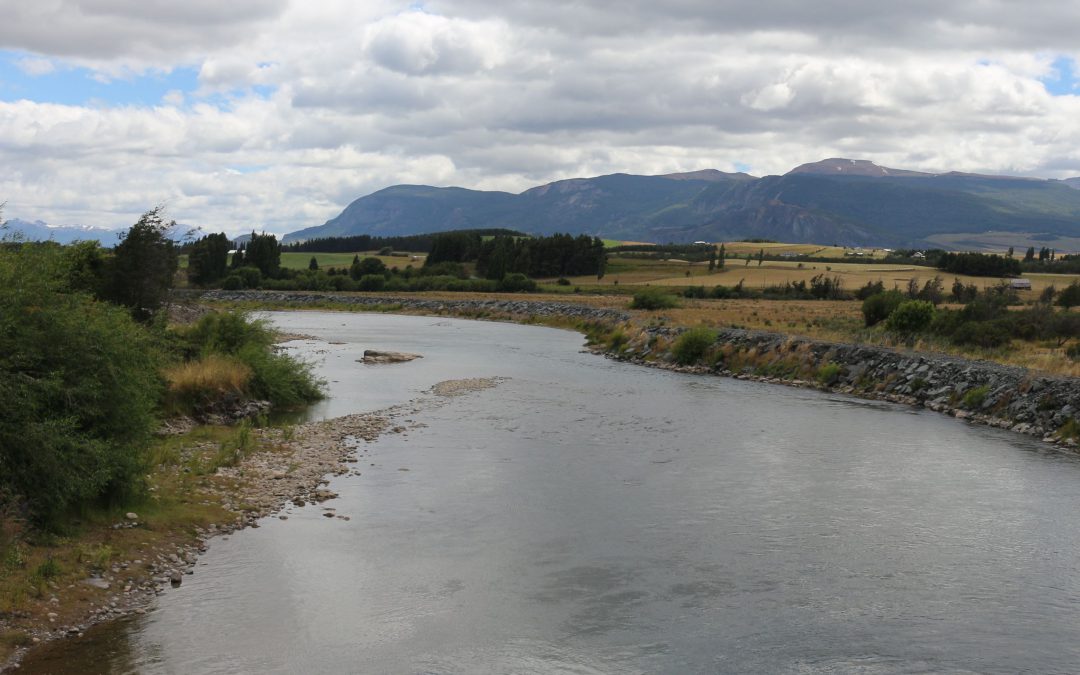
376	356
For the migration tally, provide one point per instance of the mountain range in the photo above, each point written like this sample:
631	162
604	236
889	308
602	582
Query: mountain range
66	234
39	231
834	201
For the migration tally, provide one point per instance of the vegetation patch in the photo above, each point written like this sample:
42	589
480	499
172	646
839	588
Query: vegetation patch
976	396
652	299
829	373
692	345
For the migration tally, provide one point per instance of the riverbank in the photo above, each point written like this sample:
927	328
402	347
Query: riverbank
209	482
999	395
993	394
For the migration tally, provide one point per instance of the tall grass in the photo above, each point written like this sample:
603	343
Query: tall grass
233	354
211	378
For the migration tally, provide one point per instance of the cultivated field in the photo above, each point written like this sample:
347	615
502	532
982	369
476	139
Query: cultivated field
300	261
639	272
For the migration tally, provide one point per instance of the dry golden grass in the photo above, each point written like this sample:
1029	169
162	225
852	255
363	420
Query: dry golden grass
629	272
209	376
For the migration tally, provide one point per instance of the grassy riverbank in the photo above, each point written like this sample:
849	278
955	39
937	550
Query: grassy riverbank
832	320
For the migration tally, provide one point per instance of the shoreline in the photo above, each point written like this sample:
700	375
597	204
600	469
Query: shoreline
1037	405
290	469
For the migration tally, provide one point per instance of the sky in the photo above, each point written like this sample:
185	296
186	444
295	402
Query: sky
275	114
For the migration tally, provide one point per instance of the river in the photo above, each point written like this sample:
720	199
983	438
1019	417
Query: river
589	516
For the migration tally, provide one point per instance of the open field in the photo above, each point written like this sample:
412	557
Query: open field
999	242
630	271
744	248
300	261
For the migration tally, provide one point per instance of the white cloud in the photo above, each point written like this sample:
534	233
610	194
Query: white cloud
509	95
35	67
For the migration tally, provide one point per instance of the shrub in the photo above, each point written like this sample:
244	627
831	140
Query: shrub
367	266
975	397
233	282
516	283
910	316
692	345
829	373
79	388
250	277
617	340
278	378
653	298
371	282
878	307
986	334
563	281
1073	351
226	333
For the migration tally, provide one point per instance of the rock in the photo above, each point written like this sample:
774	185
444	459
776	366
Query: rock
97	582
376	356
175	578
131	516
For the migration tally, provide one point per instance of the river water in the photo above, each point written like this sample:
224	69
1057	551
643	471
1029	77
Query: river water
588	516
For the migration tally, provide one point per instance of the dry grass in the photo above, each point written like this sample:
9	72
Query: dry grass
209	377
624	271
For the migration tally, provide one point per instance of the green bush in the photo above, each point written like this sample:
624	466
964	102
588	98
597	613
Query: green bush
250	277
879	306
975	397
910	316
233	282
278	378
829	373
516	283
653	298
692	345
371	282
79	387
985	334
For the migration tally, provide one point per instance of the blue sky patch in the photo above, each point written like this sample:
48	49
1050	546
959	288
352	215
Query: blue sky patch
1064	80
69	85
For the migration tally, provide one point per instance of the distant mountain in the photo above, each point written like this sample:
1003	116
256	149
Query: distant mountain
39	231
838	166
841	201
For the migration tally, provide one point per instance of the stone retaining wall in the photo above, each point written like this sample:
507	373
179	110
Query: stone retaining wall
510	306
1002	396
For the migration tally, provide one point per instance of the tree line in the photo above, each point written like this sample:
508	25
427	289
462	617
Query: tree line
559	255
415	243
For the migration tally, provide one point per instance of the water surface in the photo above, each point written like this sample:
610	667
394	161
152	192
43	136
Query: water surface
587	516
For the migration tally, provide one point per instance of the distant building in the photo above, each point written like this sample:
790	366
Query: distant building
1020	284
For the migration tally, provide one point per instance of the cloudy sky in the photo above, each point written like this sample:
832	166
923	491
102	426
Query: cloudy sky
275	114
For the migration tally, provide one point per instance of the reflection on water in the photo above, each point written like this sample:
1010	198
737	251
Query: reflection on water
587	516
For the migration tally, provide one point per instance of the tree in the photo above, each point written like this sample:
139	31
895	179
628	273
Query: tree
1011	251
313	265
367	266
79	384
143	266
1030	255
760	257
720	258
910	316
264	252
1070	296
208	259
